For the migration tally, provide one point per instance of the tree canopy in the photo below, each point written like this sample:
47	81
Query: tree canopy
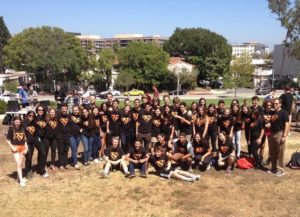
4	36
146	62
48	53
209	51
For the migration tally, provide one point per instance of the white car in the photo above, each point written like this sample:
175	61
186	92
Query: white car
7	96
113	92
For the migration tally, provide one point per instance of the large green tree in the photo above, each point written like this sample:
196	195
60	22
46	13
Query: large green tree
48	53
106	62
209	51
4	36
288	14
146	62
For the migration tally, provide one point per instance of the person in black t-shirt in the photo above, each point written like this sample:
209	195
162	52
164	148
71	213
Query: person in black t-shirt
51	132
138	158
59	96
255	105
221	108
256	134
103	126
202	152
114	122
163	167
126	135
237	128
185	121
75	125
30	131
96	140
200	124
212	132
246	120
143	125
226	152
115	158
225	123
165	144
287	100
16	139
156	126
168	124
279	131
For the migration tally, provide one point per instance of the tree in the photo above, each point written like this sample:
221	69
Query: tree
146	62
184	79
11	86
241	70
4	36
106	63
125	79
47	53
209	51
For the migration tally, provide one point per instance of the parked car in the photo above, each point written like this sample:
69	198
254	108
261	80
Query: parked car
180	92
6	96
204	82
263	90
134	92
217	84
103	94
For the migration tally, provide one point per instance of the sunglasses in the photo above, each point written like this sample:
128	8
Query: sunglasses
30	116
40	110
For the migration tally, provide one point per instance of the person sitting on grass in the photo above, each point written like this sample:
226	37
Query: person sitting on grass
226	152
115	158
16	139
163	168
138	158
161	141
202	153
183	152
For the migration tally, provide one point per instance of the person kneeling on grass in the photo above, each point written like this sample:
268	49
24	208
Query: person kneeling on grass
226	152
202	153
115	158
163	168
16	139
183	152
138	158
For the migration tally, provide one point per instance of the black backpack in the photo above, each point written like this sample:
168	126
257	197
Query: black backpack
7	119
295	160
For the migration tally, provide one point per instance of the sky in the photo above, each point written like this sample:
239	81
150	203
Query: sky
237	20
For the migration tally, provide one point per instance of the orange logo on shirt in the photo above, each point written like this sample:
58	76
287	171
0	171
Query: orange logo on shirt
114	155
226	123
137	156
42	124
274	118
199	150
147	118
53	124
135	116
75	120
19	136
157	123
31	129
160	163
115	117
64	121
125	120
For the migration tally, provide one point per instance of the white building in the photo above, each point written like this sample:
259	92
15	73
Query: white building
20	77
177	65
250	48
262	72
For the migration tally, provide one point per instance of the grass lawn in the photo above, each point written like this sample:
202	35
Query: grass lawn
83	193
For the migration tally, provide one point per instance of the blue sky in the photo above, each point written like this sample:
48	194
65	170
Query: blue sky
237	20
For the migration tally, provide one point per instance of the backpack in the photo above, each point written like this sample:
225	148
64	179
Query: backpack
245	163
7	119
294	163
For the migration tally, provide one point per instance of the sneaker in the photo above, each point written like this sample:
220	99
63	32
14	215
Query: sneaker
197	177
103	175
192	180
127	174
24	179
52	167
96	161
86	164
271	172
76	167
131	176
100	159
280	173
143	175
61	168
45	175
208	167
22	183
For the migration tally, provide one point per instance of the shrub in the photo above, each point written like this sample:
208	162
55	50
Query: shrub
3	107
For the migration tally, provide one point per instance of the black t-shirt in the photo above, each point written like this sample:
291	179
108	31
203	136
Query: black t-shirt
200	124
156	127
212	122
103	121
194	115
164	146
247	119
51	128
40	126
200	148
75	125
30	130
278	120
287	102
114	118
159	163
114	154
88	126
237	121
220	112
181	147
167	125
16	137
145	120
126	122
64	126
97	120
226	123
255	128
135	114
137	154
259	109
226	149
184	127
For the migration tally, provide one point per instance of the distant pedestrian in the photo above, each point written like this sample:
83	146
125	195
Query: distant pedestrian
59	96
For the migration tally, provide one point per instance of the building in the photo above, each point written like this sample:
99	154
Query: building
20	77
250	48
262	75
177	65
284	65
97	42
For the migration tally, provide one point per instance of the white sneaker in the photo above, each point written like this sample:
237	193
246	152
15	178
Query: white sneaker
24	179
96	161
208	167
197	177
22	183
45	175
76	167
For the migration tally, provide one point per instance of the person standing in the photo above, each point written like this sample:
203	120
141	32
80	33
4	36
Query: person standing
277	139
23	96
59	96
287	100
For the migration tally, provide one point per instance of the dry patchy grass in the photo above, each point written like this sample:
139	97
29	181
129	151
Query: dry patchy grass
84	193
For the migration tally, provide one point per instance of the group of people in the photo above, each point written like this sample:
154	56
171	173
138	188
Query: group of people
170	136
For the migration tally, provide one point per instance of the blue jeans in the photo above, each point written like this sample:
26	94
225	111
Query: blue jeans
87	145
74	143
96	146
237	142
141	166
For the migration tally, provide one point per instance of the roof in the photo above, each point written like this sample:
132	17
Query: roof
176	60
15	74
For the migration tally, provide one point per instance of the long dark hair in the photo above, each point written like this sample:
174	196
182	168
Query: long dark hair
14	127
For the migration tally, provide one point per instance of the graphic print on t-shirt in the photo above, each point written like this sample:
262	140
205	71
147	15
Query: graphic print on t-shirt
114	155
224	149
137	156
75	119
274	118
64	121
31	129
146	118
160	163
53	124
125	120
115	117
19	136
226	123
42	124
157	123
